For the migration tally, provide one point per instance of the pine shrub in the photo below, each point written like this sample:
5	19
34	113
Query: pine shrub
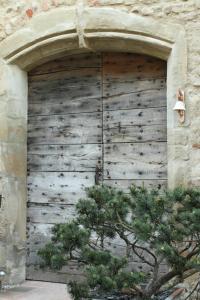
157	227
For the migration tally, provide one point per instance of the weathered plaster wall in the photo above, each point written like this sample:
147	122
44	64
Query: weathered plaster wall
185	149
13	107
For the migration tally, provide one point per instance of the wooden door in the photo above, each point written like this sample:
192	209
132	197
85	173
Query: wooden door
88	113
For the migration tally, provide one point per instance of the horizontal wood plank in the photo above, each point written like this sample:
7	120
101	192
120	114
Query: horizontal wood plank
142	99
66	158
134	134
126	65
92	60
58	187
145	117
127	152
63	105
66	93
39	234
66	78
129	88
50	213
65	129
135	161
136	170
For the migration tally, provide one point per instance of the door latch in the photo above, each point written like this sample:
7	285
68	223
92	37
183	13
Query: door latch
98	174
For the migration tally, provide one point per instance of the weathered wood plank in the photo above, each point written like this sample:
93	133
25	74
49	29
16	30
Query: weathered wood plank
39	234
66	78
135	170
146	116
126	65
128	152
125	184
124	134
63	105
135	161
50	213
66	158
129	88
65	129
85	60
66	93
143	99
58	187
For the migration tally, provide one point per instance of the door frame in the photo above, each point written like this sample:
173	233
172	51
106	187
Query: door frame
53	34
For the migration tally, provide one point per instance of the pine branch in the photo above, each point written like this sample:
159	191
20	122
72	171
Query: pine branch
139	247
124	226
160	282
128	243
154	277
193	253
142	257
186	248
148	251
185	276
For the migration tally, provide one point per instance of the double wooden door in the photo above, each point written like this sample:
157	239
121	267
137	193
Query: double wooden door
93	118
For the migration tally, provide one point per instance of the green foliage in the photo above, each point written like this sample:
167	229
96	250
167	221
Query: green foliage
155	227
79	290
52	256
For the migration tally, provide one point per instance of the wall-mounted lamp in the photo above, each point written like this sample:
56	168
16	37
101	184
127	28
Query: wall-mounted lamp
180	106
2	276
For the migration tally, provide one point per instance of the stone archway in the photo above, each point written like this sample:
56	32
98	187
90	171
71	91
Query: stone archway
50	35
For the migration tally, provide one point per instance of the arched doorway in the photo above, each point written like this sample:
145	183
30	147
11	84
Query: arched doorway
65	31
93	118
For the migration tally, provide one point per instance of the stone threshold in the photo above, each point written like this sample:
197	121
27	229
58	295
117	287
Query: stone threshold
36	290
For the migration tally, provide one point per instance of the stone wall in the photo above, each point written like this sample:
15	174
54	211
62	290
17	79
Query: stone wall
14	15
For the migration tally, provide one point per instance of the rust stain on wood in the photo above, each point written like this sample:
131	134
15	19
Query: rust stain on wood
196	146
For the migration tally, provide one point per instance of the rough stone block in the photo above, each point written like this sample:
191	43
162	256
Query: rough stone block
13	160
178	152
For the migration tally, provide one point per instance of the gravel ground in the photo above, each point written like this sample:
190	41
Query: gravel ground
117	296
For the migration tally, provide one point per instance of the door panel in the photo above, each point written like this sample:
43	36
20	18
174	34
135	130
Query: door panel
134	120
93	118
64	147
